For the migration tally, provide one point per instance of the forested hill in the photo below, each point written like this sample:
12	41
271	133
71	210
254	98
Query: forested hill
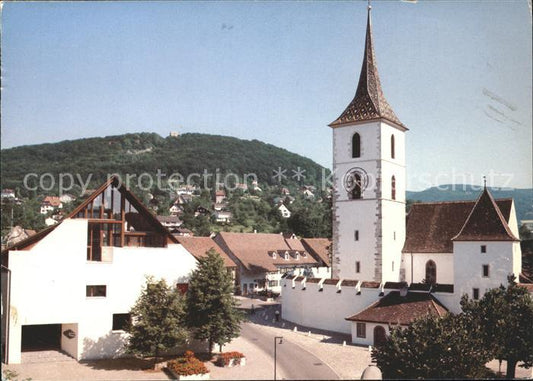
147	152
523	198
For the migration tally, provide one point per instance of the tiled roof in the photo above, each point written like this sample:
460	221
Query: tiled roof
527	286
168	219
198	246
254	250
52	200
369	103
431	226
318	248
395	309
485	222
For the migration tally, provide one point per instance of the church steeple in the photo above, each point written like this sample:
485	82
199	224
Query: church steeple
369	103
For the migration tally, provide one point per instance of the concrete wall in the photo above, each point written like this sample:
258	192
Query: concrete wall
49	287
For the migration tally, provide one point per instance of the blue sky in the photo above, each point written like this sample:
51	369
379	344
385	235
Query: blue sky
458	74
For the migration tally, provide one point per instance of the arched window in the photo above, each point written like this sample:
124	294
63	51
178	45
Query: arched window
357	190
393	187
392	150
431	272
356	145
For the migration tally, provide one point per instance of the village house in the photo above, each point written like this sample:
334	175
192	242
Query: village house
8	193
50	203
285	212
263	258
70	287
389	270
172	223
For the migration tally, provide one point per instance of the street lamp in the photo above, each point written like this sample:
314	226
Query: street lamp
276	338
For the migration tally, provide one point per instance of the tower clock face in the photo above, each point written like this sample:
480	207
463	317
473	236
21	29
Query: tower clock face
355	178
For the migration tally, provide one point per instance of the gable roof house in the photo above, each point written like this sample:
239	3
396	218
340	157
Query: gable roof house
90	267
50	203
263	258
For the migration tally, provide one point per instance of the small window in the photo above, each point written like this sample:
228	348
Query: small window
486	271
394	234
121	321
361	330
357	267
286	256
393	188
356	235
274	255
475	293
392	265
483	248
392	147
95	291
356	145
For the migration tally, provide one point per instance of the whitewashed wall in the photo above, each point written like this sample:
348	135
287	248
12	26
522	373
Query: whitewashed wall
444	262
325	309
49	287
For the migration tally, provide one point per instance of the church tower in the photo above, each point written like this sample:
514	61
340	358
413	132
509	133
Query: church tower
369	180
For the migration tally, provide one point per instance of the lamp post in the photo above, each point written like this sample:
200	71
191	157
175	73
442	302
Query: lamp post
276	338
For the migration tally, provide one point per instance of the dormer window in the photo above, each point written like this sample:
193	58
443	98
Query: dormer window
274	255
296	255
286	255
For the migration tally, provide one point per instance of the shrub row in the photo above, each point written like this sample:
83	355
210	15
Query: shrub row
224	359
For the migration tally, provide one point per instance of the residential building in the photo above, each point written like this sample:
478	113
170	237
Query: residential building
50	203
71	286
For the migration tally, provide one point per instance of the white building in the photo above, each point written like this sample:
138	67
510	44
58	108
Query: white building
71	286
285	212
388	271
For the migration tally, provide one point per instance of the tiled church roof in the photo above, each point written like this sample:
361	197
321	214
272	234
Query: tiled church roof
369	103
431	226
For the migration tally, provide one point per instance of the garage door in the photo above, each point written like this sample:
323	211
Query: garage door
41	337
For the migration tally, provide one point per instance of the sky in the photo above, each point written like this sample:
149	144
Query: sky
457	73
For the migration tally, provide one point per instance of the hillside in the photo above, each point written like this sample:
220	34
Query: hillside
148	152
523	198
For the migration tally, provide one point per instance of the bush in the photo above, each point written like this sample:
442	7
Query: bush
187	365
224	359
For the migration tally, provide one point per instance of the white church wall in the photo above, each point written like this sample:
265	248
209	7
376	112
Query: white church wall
503	258
49	287
443	261
325	309
369	332
513	222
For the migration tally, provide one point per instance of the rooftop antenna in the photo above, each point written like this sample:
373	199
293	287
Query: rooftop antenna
369	5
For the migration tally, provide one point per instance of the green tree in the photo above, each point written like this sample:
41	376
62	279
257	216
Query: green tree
505	315
211	308
433	347
157	320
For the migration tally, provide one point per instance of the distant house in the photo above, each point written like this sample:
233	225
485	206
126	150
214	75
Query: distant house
182	232
285	191
8	193
67	198
170	222
219	207
223	216
262	259
241	186
201	211
285	213
320	249
50	203
308	194
186	190
220	196
175	210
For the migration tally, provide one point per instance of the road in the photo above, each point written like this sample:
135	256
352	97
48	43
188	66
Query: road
293	362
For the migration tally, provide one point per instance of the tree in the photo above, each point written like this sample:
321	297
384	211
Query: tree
157	320
211	308
433	347
505	315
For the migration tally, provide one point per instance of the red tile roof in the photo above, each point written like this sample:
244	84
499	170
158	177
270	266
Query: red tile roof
318	248
52	200
431	226
254	250
198	247
485	222
395	309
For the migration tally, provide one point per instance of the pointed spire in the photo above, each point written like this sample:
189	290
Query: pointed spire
369	102
485	222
